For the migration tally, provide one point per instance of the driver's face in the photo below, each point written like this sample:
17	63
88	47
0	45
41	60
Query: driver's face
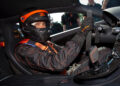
39	24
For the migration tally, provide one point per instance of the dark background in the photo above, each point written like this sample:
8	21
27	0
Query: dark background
11	8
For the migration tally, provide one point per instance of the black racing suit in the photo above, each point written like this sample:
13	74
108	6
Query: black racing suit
37	59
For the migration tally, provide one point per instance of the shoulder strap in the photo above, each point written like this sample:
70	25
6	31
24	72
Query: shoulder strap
37	44
24	41
52	46
42	47
33	44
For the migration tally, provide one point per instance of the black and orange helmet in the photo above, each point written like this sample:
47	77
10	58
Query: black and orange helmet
35	15
29	30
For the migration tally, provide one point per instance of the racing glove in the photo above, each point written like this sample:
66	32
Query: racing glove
87	25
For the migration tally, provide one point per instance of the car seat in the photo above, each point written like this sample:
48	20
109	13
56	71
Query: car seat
7	26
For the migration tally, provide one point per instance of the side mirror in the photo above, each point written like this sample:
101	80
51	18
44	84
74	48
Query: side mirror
112	16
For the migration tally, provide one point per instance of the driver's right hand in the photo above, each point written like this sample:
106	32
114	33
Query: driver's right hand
87	25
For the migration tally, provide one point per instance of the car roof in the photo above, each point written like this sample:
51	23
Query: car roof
11	8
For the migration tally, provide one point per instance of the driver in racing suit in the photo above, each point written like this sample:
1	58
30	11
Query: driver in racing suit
36	53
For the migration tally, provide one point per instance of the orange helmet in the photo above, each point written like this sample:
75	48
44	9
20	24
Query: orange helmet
30	31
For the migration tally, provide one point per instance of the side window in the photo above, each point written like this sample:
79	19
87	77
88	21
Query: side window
56	23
